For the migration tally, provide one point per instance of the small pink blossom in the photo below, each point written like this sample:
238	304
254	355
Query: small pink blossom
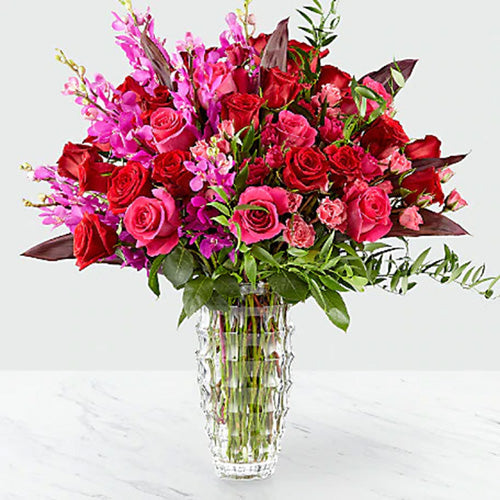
411	218
329	93
294	201
298	233
399	163
445	174
455	202
333	213
71	86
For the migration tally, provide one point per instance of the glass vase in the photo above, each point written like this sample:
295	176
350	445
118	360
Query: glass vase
244	360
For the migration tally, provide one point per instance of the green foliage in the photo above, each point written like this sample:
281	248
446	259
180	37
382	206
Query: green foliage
320	33
178	266
197	293
153	281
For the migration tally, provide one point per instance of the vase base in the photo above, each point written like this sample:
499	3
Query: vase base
245	472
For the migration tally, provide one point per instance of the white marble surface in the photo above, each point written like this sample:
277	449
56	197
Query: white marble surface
350	435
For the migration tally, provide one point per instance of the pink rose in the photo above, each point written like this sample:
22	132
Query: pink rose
258	225
399	163
368	212
370	166
455	202
171	131
294	130
153	222
329	93
332	130
275	157
298	233
411	218
333	213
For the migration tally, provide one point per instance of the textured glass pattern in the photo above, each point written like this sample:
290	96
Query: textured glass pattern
244	362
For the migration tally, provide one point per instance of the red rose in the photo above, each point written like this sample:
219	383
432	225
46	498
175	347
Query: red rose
430	147
295	61
423	182
242	110
346	163
171	130
257	171
306	170
147	102
127	184
335	76
73	156
93	241
94	176
279	88
169	170
383	137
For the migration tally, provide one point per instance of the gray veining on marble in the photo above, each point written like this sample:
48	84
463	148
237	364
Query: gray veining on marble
350	435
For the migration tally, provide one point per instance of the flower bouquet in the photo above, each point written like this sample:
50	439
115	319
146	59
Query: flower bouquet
252	176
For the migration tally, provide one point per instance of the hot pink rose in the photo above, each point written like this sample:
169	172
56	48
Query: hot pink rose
294	130
298	233
411	218
154	222
399	163
171	131
275	157
368	212
332	130
455	202
370	166
258	225
333	214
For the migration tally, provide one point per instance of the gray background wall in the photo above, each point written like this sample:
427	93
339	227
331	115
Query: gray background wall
54	317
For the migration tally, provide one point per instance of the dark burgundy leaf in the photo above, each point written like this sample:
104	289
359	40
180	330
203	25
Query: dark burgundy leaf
434	225
424	163
383	75
59	248
157	59
276	52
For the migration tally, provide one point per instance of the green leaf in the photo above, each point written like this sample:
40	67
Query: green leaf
252	207
178	266
227	286
316	10
366	92
416	266
263	255
332	283
398	77
372	247
289	286
250	267
153	281
220	192
306	17
182	318
218	303
241	179
222	220
333	304
327	246
197	293
220	207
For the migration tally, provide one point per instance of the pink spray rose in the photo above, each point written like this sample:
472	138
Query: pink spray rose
275	157
411	218
153	222
332	130
171	131
294	201
368	212
333	213
294	130
298	233
454	201
258	225
399	163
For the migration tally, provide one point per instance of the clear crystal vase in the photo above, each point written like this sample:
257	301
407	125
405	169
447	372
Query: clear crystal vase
244	362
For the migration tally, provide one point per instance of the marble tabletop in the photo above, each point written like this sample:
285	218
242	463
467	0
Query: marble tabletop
350	435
